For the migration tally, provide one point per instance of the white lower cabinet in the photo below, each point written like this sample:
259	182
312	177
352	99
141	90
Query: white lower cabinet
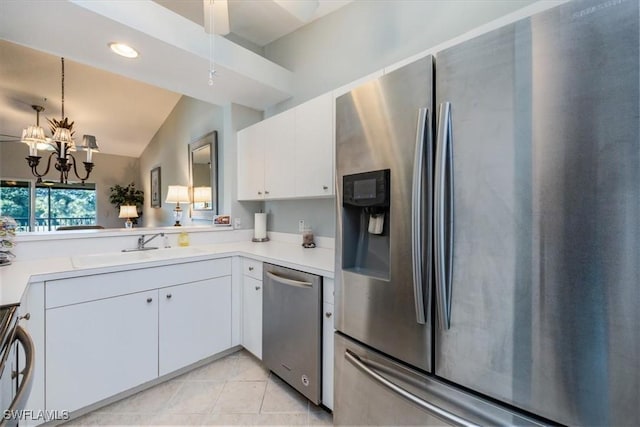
327	355
196	319
327	340
252	315
100	348
252	306
108	333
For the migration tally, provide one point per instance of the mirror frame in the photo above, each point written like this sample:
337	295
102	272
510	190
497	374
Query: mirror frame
210	139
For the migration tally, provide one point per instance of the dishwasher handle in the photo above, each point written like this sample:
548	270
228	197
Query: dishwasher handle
287	281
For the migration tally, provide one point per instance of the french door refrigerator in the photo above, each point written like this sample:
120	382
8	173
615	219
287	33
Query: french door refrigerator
488	252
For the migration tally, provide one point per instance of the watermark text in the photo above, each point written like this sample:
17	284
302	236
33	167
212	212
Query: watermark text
36	415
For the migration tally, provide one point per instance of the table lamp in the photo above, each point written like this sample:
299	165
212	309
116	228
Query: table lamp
128	211
202	195
177	194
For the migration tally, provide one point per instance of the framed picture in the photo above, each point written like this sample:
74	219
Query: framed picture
156	197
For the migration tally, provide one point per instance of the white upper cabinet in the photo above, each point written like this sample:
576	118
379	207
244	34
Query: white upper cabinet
279	155
290	155
251	162
314	152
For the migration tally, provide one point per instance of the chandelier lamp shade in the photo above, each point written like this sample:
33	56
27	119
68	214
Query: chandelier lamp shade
177	194
61	143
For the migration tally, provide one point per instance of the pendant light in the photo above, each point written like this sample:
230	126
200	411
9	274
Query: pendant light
61	143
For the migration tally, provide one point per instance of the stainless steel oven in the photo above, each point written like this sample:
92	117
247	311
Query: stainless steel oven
16	365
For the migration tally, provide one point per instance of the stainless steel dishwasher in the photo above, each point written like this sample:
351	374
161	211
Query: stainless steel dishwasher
292	328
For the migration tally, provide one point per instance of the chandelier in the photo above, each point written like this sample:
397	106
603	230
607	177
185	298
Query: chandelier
61	143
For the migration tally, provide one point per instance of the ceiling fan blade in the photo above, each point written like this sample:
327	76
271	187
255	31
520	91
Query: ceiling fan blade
9	138
220	9
301	9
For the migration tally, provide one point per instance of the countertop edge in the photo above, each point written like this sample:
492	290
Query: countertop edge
13	293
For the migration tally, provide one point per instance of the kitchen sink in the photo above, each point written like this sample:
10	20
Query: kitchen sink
119	258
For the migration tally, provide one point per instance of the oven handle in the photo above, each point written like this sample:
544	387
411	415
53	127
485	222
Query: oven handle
20	399
289	282
7	338
437	411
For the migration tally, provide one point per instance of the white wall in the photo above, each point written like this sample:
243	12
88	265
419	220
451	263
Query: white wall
169	149
363	37
367	35
189	120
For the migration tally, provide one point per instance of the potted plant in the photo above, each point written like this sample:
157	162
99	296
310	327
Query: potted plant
7	235
128	195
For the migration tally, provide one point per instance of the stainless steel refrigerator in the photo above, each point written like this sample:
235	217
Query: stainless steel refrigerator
488	229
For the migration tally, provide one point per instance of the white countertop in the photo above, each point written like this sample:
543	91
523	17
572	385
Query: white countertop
15	278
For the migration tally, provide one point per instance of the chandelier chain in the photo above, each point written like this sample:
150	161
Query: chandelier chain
62	59
62	144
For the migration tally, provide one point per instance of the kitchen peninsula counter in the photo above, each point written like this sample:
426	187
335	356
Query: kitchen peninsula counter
15	278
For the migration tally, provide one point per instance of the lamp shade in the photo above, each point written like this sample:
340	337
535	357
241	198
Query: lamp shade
33	134
63	135
201	194
177	194
128	211
88	143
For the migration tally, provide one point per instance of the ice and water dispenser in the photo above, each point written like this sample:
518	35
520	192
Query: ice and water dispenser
365	223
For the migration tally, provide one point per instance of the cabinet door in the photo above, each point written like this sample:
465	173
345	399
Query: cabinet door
194	321
100	348
327	355
279	155
252	315
314	148
250	171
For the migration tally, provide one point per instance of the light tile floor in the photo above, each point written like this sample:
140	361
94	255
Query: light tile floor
234	390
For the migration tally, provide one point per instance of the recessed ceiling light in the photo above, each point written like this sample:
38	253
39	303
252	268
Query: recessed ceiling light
124	50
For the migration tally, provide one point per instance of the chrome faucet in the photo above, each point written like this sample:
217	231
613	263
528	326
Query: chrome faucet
142	241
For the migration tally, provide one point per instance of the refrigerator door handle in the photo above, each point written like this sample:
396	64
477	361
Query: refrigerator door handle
444	215
417	217
437	411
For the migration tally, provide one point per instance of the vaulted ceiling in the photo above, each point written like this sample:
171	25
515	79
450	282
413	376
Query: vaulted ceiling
121	101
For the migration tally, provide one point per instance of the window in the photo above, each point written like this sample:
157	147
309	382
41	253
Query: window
15	201
46	206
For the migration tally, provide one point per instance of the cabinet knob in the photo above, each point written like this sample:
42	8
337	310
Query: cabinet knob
250	268
169	296
328	314
259	193
266	192
324	187
257	288
149	299
25	317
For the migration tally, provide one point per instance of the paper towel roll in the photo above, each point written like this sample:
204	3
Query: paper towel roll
260	226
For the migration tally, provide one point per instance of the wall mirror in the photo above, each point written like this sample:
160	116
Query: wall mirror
203	172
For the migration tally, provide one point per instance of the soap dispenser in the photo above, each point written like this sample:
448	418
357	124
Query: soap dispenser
183	239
